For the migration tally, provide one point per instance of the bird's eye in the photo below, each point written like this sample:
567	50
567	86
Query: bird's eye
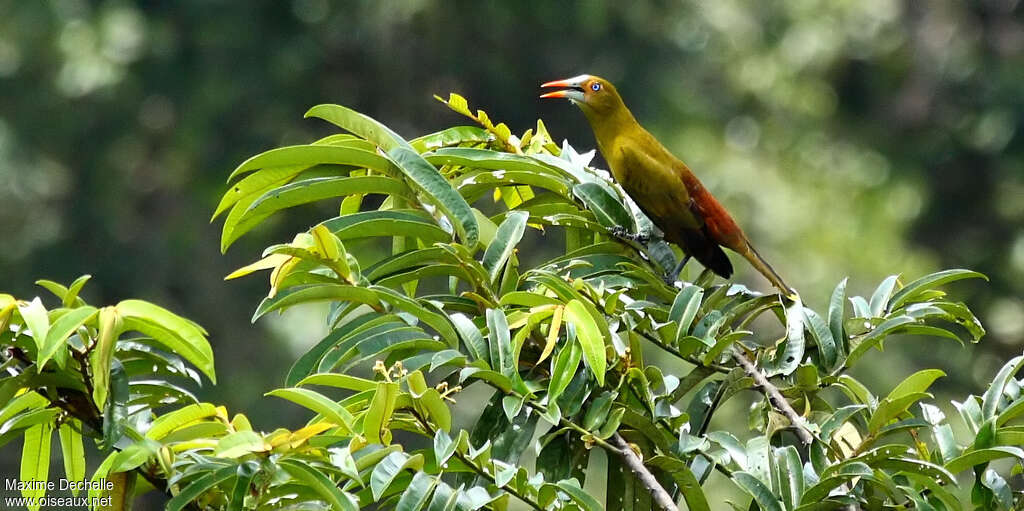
595	86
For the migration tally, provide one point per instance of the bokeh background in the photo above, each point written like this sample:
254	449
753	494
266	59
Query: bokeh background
850	138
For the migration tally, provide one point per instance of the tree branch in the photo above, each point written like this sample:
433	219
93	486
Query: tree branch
633	461
774	396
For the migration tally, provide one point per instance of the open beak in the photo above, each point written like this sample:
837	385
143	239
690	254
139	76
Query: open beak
572	88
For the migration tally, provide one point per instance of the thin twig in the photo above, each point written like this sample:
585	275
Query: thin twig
477	468
633	461
774	396
630	457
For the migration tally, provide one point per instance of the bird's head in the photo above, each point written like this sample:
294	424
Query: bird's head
594	95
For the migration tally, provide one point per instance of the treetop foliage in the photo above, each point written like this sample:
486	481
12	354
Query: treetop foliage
587	350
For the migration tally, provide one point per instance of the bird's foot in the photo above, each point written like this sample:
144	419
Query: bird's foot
622	233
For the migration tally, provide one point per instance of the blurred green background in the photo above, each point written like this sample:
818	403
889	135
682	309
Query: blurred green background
849	138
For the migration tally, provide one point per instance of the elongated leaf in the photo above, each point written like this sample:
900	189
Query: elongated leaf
72	451
319	403
182	336
981	456
684	309
836	315
685	480
368	224
451	136
993	396
378	414
321	484
61	330
317	293
910	291
572	488
101	357
245	473
417	493
877	335
761	493
505	240
880	298
389	468
35	462
313	154
589	336
499	342
438	191
316	189
36	319
472	338
822	335
359	124
171	421
605	206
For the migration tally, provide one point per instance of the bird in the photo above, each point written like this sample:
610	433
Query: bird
664	188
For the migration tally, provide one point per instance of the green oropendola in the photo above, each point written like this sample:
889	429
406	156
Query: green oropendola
664	188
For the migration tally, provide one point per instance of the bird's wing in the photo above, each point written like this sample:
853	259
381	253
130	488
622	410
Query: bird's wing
657	189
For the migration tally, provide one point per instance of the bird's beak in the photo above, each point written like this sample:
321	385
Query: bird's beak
573	88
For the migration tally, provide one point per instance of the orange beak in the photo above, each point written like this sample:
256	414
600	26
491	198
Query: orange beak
573	88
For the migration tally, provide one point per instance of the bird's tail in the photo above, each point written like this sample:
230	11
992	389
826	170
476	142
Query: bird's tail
766	269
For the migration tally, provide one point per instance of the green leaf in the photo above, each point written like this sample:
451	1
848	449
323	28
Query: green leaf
36	320
608	210
505	240
844	472
684	309
499	342
994	395
837	313
791	475
563	369
472	338
889	408
72	451
572	488
880	298
181	335
71	298
438	191
876	336
306	156
982	456
451	136
685	480
378	414
761	493
917	382
791	352
417	493
319	403
61	330
35	462
341	381
245	473
317	293
171	421
359	124
239	443
915	288
389	468
316	189
388	223
589	336
102	354
827	349
321	484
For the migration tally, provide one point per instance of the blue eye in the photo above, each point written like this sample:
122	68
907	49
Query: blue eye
595	86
